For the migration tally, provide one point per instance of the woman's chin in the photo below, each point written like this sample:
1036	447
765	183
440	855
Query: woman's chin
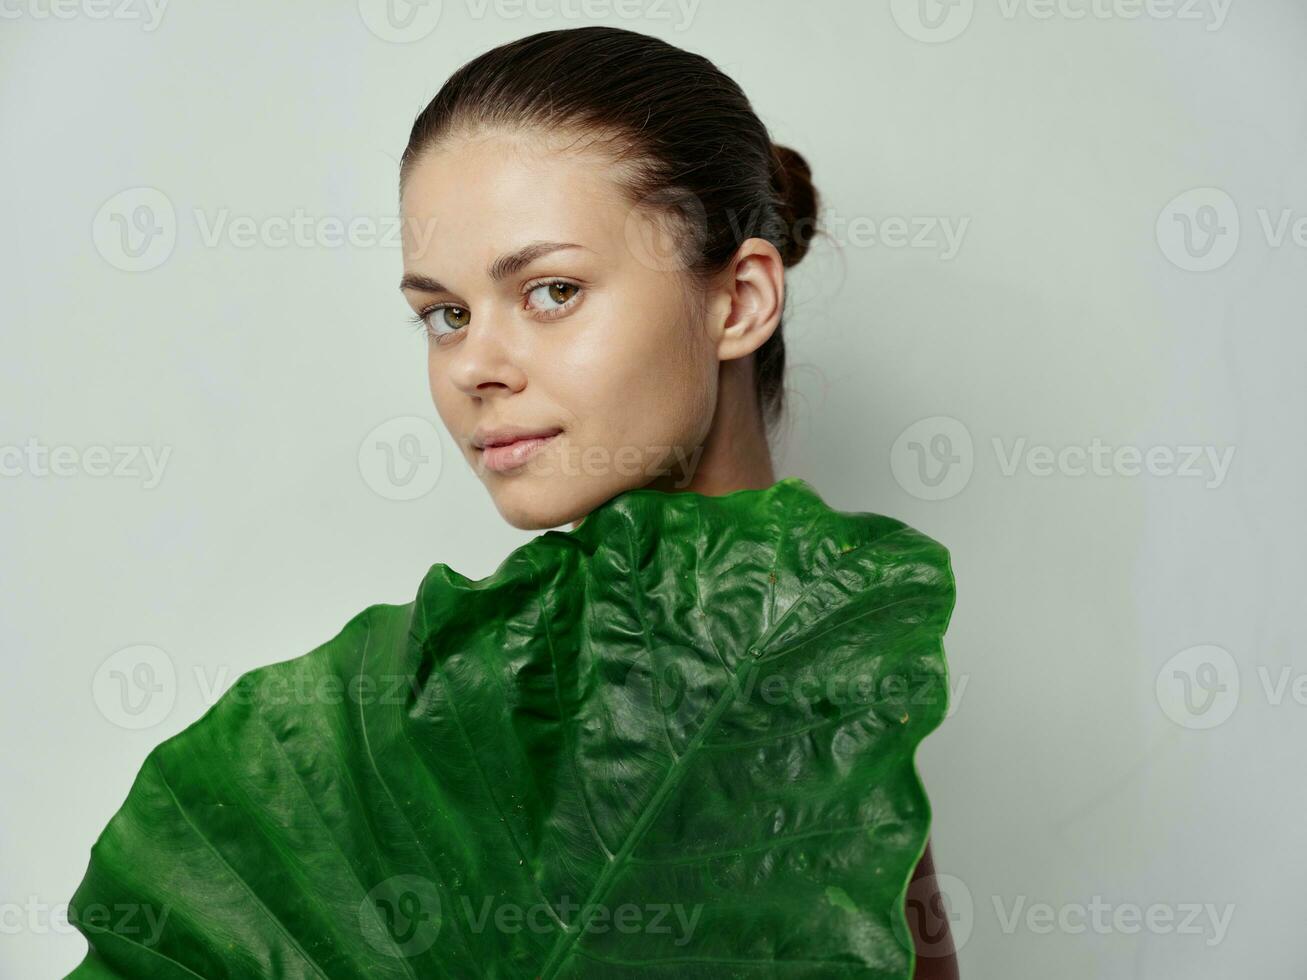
536	503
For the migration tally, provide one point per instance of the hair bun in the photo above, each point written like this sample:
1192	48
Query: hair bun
799	201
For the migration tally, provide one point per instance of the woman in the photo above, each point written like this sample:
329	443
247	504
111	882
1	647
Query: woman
596	227
603	327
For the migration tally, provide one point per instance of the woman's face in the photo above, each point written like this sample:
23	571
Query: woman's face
592	346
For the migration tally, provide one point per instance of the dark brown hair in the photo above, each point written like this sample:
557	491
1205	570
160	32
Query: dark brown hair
685	134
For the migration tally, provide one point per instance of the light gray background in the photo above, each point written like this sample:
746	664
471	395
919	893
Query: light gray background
1067	139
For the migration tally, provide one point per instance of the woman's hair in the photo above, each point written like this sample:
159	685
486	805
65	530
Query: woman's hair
683	137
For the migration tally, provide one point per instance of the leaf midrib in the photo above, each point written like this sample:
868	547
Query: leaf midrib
564	943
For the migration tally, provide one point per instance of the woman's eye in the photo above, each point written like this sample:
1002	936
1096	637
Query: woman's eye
548	299
451	317
552	296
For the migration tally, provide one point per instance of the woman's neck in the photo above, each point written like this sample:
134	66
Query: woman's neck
735	454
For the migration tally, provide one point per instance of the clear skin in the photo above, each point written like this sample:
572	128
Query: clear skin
651	387
645	393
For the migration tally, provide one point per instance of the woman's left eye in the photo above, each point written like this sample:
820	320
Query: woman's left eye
553	296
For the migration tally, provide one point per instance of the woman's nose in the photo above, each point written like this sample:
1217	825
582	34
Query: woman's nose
487	359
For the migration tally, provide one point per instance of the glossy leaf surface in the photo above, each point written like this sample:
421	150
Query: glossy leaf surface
675	742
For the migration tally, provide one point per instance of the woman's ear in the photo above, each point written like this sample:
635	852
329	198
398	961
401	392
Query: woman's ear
747	302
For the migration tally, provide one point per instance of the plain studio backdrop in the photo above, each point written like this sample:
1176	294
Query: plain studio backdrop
1057	324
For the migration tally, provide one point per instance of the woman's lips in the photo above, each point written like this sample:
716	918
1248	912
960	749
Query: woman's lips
511	455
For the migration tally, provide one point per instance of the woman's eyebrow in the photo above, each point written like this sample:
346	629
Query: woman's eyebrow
503	267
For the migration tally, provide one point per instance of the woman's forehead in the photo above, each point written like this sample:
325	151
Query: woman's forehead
453	207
